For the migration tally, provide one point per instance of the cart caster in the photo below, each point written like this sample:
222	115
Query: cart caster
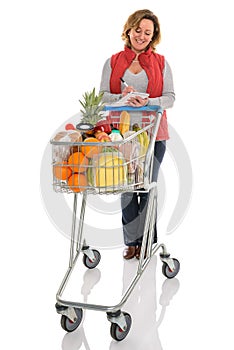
170	271
120	325
91	258
68	325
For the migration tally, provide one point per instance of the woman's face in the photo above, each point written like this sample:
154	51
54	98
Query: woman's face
140	37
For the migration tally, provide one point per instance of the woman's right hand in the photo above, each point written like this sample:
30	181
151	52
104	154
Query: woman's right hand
127	90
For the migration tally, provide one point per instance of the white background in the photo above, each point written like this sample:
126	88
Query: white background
51	53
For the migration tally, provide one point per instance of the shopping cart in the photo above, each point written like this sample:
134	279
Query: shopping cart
101	168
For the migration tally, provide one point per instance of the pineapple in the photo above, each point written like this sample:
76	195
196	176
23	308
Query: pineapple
92	107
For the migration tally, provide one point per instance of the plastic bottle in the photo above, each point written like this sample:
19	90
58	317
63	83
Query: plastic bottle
115	135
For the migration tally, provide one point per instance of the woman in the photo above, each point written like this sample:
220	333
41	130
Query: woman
145	71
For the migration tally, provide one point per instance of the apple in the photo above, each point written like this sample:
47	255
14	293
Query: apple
70	126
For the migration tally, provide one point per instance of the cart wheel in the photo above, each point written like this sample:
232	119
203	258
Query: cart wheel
89	263
70	326
168	272
117	333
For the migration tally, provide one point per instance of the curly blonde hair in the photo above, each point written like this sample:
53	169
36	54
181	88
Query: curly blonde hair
133	22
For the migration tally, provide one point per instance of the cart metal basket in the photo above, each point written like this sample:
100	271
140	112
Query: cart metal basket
93	167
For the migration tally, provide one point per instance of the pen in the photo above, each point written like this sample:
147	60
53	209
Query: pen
124	82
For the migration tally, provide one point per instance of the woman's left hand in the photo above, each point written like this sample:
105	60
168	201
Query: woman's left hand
137	101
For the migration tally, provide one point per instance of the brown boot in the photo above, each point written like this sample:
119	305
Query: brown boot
138	252
129	252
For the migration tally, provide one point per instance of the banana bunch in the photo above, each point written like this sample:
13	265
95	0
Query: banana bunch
143	138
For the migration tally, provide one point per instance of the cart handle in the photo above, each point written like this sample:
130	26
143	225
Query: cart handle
129	108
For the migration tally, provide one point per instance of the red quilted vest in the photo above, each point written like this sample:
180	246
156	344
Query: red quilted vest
153	64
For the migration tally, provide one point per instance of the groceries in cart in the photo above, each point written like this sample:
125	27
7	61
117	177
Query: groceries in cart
104	152
97	161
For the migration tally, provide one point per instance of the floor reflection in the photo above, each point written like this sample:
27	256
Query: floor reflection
147	314
145	307
74	340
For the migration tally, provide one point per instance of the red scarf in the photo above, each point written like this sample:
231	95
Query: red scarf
153	64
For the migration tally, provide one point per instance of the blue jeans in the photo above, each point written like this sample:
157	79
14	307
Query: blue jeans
134	204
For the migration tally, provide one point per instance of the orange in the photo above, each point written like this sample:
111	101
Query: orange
61	170
77	182
78	162
90	150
